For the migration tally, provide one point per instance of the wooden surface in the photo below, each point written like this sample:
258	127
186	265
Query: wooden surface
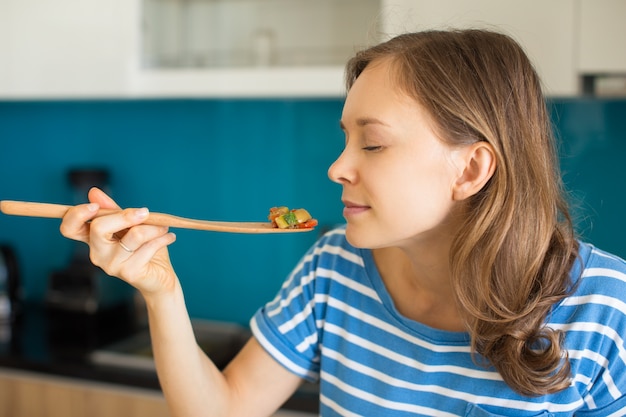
24	394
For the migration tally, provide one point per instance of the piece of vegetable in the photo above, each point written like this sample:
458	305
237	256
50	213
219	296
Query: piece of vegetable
284	218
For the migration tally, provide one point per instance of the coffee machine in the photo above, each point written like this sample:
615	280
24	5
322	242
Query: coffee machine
81	287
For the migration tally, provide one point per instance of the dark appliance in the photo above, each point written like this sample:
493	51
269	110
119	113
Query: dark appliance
82	287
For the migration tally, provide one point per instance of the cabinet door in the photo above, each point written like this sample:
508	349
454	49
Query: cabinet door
602	35
545	29
67	47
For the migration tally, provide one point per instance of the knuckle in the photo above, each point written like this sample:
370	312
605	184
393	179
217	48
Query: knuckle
129	215
96	227
140	233
94	258
64	229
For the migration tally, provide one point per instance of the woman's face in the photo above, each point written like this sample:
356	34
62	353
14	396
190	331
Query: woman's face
397	176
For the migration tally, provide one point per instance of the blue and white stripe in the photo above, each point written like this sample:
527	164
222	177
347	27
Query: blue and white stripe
333	321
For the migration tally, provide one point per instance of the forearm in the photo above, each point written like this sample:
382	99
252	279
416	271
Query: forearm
192	385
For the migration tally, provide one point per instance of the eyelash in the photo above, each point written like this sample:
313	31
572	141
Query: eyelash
372	148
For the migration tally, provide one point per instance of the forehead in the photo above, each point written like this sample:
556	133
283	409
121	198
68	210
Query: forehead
377	82
377	93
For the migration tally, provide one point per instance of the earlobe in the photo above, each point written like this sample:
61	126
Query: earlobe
479	164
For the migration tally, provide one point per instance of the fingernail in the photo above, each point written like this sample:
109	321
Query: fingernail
141	213
93	207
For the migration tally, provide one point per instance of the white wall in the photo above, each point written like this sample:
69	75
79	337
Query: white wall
52	47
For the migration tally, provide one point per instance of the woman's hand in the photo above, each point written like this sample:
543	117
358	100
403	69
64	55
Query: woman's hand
121	245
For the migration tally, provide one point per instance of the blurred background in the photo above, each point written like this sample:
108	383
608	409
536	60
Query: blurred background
221	109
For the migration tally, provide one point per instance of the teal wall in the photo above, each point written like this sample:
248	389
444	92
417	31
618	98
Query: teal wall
207	159
232	160
592	136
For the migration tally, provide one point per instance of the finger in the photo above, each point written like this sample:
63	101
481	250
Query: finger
106	252
137	236
103	230
147	252
98	196
124	247
148	268
74	224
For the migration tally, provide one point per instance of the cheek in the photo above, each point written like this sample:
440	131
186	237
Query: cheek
417	200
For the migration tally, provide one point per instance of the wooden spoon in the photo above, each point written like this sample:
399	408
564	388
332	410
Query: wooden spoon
57	211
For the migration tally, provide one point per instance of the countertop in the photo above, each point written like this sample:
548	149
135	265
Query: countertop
55	343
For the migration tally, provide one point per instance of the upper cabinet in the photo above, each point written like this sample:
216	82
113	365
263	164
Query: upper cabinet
142	48
601	56
272	48
210	34
67	47
602	35
251	47
544	28
573	43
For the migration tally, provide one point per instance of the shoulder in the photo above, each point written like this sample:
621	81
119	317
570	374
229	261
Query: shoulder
598	273
594	257
593	317
599	280
332	252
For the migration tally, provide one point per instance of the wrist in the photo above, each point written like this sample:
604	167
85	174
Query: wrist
164	298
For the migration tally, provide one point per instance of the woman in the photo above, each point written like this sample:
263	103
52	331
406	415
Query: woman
457	286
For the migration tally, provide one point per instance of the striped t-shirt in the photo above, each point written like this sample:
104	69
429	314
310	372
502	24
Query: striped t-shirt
334	321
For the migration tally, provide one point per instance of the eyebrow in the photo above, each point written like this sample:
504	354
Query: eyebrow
364	121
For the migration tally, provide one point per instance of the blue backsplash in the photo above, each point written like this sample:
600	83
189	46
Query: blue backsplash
232	160
592	136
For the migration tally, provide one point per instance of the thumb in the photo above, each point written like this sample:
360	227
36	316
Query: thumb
99	197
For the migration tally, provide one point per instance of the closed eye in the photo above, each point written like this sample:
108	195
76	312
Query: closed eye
372	148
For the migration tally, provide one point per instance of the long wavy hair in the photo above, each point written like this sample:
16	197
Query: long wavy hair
512	257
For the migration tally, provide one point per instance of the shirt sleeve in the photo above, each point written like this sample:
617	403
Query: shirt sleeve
594	318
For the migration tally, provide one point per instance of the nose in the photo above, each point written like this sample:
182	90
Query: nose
340	171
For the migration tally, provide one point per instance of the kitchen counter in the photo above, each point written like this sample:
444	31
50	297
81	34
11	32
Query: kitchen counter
77	346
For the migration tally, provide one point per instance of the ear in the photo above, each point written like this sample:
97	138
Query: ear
478	163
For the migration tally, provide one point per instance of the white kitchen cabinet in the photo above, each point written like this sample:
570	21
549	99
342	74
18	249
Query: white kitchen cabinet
601	38
251	47
97	48
67	47
545	29
94	48
254	33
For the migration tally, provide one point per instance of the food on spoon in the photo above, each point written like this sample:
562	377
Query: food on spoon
284	218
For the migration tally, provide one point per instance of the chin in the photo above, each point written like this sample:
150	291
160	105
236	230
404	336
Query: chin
352	237
360	239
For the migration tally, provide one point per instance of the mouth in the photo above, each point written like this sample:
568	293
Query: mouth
352	209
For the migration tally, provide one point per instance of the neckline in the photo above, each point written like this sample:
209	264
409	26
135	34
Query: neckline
431	334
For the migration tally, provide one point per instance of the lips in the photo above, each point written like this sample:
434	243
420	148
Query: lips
353	209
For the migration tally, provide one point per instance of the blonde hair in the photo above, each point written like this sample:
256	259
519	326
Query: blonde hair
512	258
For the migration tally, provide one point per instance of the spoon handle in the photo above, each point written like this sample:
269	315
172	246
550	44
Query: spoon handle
48	210
26	208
